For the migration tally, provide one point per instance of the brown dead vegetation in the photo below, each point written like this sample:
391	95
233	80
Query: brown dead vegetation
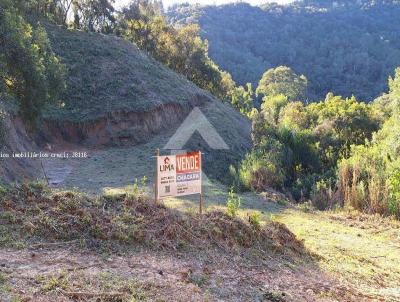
134	219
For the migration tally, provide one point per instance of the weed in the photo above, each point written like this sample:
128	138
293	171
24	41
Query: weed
199	279
255	220
8	217
283	202
3	279
139	188
56	282
3	191
306	207
233	203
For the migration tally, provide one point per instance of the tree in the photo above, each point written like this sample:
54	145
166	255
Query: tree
283	80
181	49
272	106
353	58
94	15
242	99
29	69
294	116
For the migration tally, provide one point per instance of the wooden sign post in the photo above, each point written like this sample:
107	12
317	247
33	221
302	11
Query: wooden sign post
201	191
156	177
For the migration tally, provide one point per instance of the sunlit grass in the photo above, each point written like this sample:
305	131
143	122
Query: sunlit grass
367	254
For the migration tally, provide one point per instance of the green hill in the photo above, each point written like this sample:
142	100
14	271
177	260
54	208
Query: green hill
346	47
117	96
108	74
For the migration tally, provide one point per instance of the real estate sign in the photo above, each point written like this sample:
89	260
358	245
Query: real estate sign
179	175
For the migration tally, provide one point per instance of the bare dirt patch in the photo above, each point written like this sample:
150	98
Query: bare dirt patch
67	274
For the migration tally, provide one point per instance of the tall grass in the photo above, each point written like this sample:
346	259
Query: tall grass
367	189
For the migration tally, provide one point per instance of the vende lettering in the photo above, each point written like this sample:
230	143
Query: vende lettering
187	163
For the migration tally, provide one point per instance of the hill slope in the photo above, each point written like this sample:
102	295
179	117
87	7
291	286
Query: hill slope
108	74
348	47
117	96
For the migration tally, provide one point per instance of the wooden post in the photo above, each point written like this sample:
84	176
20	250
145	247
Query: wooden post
201	204
201	187
156	176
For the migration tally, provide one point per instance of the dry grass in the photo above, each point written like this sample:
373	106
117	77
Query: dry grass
362	250
368	195
134	219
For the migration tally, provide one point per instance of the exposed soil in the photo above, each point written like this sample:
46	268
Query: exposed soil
17	140
66	274
118	128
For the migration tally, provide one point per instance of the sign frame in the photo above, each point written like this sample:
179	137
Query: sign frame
183	168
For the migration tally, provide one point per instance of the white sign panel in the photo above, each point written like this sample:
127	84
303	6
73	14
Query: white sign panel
179	175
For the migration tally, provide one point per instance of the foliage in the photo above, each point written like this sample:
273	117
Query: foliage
180	49
297	146
126	221
242	99
142	22
254	220
29	69
283	81
263	167
89	15
139	188
339	123
233	203
272	106
347	47
93	15
369	179
321	195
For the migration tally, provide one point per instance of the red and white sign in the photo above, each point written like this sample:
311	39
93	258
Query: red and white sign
179	175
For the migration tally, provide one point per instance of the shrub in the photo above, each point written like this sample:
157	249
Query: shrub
233	203
370	180
394	195
262	168
27	58
321	195
254	220
234	177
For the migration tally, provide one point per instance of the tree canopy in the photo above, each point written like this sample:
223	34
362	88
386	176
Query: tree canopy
283	80
347	47
30	72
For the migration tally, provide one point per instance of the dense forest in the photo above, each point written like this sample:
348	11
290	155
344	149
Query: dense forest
345	47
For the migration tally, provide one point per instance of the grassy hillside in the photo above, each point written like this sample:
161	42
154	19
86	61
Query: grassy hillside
347	47
109	78
108	74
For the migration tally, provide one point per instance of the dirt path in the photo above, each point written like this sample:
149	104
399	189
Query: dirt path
65	274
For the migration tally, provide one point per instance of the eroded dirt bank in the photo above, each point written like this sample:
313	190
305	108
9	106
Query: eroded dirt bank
117	128
18	139
114	129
